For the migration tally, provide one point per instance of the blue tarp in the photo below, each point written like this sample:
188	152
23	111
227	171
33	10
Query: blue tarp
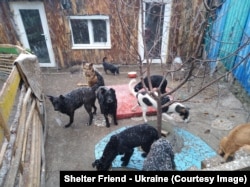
193	152
229	32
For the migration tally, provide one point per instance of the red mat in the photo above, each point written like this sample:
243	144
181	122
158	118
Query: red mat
126	101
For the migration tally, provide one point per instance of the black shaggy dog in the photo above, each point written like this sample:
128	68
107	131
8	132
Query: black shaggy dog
160	157
68	103
155	81
114	69
108	103
142	135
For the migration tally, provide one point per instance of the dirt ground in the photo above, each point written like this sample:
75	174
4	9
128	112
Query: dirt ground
213	112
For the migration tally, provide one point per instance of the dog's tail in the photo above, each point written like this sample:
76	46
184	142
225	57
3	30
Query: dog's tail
131	87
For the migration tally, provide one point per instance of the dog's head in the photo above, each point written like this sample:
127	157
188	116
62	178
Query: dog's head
109	154
88	69
110	96
224	149
88	66
107	96
57	102
138	87
184	112
222	146
99	165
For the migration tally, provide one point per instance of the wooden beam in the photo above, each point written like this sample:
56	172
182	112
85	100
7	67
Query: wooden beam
15	163
7	99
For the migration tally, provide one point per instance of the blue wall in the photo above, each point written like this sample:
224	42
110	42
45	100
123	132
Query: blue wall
227	33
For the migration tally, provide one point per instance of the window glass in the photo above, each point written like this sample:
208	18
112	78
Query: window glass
99	29
80	31
90	32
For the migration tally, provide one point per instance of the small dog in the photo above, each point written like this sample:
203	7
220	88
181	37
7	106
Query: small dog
124	143
108	103
160	157
68	103
238	137
93	77
145	100
155	81
114	69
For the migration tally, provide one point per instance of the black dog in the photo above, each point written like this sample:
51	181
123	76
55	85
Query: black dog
124	143
108	103
68	103
110	67
155	81
160	157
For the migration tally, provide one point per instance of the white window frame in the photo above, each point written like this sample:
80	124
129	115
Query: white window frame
92	44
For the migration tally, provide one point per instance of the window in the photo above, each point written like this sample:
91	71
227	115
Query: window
90	32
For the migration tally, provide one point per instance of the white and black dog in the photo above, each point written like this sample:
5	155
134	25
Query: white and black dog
144	100
155	82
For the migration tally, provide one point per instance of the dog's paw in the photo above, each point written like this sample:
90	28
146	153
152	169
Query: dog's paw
67	126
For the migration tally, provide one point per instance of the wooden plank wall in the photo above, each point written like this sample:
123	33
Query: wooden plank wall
121	47
186	24
7	32
22	162
183	35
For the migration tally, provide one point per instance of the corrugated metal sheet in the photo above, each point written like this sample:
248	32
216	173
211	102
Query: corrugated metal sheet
242	73
229	32
216	33
233	30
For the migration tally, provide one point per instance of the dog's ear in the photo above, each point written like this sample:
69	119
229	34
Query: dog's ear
61	97
104	59
112	90
84	63
91	65
103	90
51	98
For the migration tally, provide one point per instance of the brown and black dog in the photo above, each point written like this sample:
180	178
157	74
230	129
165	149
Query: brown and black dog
89	73
93	78
237	138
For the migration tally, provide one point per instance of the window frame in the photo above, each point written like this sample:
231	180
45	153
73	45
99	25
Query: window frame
92	44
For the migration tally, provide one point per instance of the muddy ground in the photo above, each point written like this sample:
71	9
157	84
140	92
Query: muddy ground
73	148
